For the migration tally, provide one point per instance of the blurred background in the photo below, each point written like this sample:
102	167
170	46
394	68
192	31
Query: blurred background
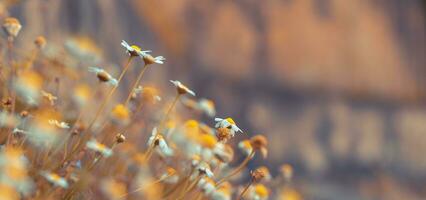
337	86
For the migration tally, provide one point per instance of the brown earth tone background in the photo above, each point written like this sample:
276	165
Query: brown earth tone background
338	86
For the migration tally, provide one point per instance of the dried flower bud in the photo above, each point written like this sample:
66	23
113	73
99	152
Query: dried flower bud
7	102
148	59
257	175
120	138
40	42
24	114
12	26
259	143
223	134
103	76
287	171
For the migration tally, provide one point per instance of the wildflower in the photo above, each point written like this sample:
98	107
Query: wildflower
245	146
265	172
14	170
62	125
81	94
207	141
204	169
8	192
8	120
287	171
113	189
224	152
6	102
98	147
207	106
24	114
149	94
40	42
224	134
259	143
170	176
121	113
204	106
257	175
44	129
133	50
227	123
223	192
120	138
182	89
19	131
28	85
84	48
103	76
258	192
12	26
289	194
207	185
149	59
49	97
55	179
157	140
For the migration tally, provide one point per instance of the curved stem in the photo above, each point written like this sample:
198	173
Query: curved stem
144	186
86	136
135	84
190	187
245	190
238	169
168	112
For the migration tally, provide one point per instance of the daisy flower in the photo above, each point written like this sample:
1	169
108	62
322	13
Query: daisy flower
133	50
12	26
103	76
182	89
204	169
98	147
149	59
245	146
49	97
58	124
55	179
258	192
157	140
207	185
207	106
227	123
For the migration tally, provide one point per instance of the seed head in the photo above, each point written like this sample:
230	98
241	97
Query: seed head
257	175
40	42
120	138
259	143
12	26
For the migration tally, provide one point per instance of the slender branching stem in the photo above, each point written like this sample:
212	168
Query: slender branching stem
135	84
237	169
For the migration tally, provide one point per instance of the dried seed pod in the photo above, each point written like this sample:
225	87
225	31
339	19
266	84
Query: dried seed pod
40	42
120	138
12	26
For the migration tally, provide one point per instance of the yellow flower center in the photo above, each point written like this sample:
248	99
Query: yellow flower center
191	123
230	120
261	190
136	48
208	141
120	112
171	171
55	177
246	144
82	93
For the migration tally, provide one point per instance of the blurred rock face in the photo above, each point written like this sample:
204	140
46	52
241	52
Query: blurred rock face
298	70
